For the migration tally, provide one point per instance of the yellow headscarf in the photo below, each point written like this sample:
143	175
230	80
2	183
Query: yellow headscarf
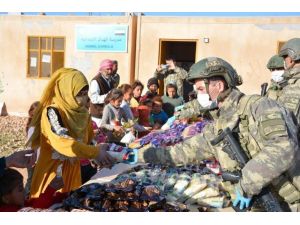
64	85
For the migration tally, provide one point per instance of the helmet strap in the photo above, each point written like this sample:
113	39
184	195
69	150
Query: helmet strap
221	97
206	83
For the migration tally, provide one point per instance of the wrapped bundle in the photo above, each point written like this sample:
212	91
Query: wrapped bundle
196	185
180	186
206	193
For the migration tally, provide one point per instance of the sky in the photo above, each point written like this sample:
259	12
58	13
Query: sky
221	14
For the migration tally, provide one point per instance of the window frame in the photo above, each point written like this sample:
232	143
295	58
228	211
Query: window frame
40	51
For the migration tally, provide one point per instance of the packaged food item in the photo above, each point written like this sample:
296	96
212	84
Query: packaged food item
196	185
122	154
206	193
215	202
181	184
150	193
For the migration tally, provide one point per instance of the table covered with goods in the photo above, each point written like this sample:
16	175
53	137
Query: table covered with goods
150	187
133	187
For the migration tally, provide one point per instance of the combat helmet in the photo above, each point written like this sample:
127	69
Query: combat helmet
275	62
291	48
213	67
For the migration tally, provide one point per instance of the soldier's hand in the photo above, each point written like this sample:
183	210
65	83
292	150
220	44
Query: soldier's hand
240	199
158	68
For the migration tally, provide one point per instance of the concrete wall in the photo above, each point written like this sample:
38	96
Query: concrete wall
247	43
20	91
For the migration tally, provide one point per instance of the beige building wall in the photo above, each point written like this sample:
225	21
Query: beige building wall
20	91
247	43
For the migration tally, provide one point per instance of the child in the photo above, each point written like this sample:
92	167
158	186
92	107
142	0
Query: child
158	116
127	92
152	89
87	168
143	112
113	114
12	193
171	100
127	96
100	136
29	130
137	89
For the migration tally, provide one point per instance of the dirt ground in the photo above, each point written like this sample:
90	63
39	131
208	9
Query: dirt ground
12	134
13	137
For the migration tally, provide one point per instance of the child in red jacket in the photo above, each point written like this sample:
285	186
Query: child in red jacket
12	195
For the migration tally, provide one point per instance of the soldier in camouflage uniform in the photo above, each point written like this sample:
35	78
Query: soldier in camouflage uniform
264	129
171	74
189	110
289	96
193	108
276	67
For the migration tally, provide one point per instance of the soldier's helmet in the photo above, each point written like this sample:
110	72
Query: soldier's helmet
214	67
291	48
275	62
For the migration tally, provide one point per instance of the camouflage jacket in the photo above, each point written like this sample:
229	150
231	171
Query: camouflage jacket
275	89
175	76
264	135
289	97
193	109
190	109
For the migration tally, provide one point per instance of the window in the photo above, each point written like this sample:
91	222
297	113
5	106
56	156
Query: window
45	55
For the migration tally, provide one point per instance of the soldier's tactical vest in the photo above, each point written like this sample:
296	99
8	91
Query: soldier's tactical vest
274	94
288	184
290	98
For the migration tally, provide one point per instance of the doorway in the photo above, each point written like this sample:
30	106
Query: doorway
184	51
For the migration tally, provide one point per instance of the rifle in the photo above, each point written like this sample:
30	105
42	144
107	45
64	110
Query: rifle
231	146
263	87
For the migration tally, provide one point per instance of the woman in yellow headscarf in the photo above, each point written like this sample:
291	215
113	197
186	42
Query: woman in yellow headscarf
62	131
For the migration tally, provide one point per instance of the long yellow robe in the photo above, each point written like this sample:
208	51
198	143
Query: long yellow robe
60	93
45	169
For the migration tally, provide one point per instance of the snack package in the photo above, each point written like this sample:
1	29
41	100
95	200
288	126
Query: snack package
122	154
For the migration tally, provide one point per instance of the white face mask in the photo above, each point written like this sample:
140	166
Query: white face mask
203	100
277	75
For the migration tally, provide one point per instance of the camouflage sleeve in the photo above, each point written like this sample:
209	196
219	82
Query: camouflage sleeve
190	151
190	109
159	74
290	98
184	74
272	133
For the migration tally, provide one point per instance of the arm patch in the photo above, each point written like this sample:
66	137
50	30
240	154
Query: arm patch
271	125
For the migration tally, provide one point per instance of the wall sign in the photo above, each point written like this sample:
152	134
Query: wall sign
101	38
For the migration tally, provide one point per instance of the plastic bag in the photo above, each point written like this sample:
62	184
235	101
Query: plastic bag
128	138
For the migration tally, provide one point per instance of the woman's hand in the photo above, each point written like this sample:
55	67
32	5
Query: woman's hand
21	159
104	159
